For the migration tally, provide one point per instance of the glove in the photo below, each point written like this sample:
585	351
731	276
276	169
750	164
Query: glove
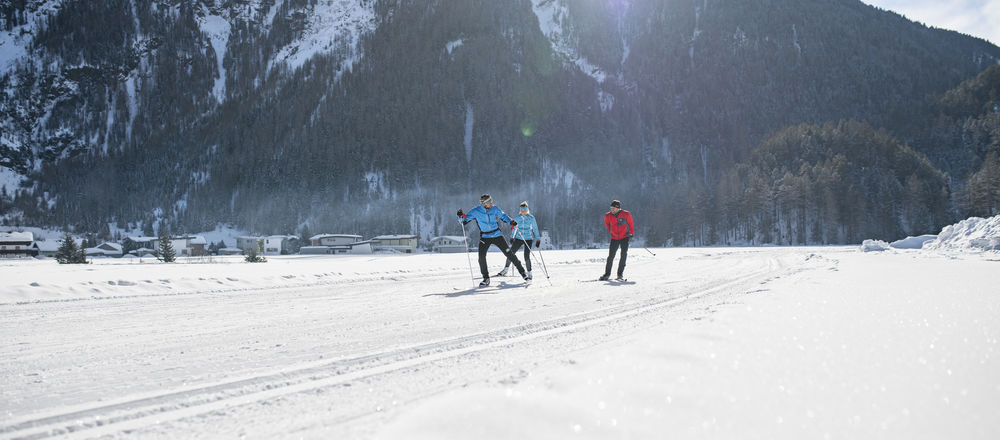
461	214
513	222
628	236
538	243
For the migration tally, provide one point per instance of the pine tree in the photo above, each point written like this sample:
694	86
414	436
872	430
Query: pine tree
167	254
68	252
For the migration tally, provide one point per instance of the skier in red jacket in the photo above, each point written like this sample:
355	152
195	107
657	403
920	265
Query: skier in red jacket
619	224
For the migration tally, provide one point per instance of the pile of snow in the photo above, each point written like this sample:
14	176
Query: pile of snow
874	246
973	234
912	242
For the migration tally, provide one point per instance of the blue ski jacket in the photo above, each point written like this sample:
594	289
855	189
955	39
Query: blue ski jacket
527	228
487	219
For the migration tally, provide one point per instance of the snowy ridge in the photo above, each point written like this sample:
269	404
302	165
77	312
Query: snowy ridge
973	234
14	43
553	20
333	25
217	28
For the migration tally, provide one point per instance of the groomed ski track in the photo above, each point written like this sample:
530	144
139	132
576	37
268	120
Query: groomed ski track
255	362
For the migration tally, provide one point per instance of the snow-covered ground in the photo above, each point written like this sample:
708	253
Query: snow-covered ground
804	342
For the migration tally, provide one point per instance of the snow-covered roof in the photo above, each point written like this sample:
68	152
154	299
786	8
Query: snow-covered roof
449	237
114	246
282	237
197	239
393	237
48	245
321	236
141	239
16	236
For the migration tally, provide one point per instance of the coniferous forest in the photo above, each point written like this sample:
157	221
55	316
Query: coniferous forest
715	122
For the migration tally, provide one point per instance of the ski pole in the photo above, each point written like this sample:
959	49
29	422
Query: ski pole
528	247
647	250
541	258
472	276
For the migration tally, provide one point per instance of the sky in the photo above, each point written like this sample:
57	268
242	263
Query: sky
979	18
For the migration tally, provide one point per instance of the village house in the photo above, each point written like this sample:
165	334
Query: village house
140	246
269	244
17	245
398	243
336	244
449	244
187	246
105	250
47	248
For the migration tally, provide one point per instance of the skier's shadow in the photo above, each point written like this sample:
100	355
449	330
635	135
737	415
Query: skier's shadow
491	290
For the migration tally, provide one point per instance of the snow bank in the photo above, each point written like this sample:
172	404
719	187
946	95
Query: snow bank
912	242
874	246
972	234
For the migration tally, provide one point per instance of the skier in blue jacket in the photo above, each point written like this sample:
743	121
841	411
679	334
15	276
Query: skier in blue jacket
524	235
488	216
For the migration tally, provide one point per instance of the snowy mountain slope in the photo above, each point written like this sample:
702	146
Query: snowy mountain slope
256	110
405	348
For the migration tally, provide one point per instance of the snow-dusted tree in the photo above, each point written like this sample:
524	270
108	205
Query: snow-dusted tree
69	252
167	254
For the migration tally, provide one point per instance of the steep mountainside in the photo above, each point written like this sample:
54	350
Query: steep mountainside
374	116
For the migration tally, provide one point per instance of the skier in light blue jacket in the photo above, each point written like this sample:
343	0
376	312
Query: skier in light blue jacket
488	217
525	233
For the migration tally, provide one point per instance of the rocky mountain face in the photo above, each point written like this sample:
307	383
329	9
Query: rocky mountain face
383	116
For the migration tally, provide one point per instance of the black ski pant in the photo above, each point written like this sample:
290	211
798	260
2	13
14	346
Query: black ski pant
514	246
500	242
615	244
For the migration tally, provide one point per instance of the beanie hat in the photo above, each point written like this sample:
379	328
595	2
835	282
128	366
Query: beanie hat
616	204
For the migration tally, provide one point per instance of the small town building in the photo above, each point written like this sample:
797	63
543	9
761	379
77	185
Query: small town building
395	243
186	246
230	251
449	244
48	248
17	245
326	244
105	250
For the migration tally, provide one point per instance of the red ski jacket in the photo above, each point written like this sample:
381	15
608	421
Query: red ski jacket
620	226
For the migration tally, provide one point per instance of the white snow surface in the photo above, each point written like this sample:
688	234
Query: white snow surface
776	343
912	242
10	180
218	30
972	234
552	20
871	245
331	25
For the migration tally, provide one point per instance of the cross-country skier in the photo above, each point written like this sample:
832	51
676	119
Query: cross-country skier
488	216
619	224
526	233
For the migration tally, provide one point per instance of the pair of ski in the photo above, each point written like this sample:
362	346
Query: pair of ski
609	280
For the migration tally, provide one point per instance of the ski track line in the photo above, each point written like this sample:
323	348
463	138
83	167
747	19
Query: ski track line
131	413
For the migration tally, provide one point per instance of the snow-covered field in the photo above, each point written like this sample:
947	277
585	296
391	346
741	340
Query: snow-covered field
759	343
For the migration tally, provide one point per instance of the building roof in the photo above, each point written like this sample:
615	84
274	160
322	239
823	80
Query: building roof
48	245
16	237
449	237
141	239
321	236
110	246
394	237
